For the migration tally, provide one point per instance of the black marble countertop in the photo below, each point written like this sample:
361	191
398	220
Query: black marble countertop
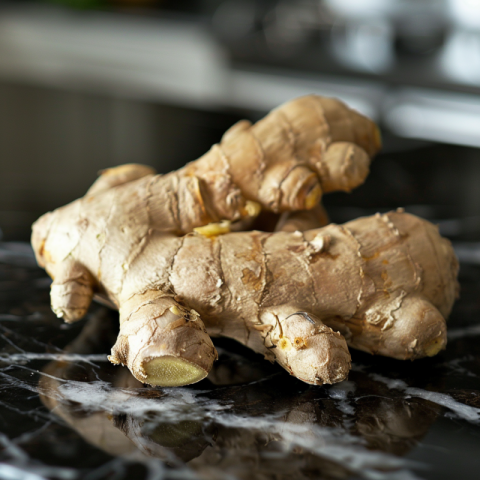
66	413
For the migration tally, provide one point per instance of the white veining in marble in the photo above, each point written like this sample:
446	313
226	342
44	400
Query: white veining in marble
465	412
257	422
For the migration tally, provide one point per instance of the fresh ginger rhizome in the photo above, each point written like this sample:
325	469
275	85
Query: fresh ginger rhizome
159	248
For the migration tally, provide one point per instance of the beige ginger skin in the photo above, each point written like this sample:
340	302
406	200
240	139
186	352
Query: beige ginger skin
385	282
285	162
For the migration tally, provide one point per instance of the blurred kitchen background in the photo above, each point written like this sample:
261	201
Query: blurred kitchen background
89	84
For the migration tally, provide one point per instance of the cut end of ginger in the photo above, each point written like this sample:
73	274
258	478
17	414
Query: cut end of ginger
434	346
313	197
170	371
214	229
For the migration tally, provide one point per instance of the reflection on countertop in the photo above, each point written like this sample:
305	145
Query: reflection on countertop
67	413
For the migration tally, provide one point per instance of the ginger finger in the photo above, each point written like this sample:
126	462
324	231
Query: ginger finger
290	186
161	342
343	167
255	159
419	330
405	322
278	163
304	346
351	126
416	330
111	177
71	291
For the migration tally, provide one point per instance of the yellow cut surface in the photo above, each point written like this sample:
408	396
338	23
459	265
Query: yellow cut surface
434	347
169	371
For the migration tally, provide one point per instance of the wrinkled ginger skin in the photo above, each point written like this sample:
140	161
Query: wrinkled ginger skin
285	162
386	282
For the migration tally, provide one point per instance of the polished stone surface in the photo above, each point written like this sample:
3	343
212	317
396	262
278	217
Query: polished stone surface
66	413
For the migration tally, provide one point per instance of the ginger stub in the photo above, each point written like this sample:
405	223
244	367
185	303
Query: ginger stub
383	284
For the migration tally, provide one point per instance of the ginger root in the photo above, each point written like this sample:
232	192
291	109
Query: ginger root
285	162
385	282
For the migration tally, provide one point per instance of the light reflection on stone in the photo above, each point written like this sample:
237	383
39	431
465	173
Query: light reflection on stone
265	423
248	421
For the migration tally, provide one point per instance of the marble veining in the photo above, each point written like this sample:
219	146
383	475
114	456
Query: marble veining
67	413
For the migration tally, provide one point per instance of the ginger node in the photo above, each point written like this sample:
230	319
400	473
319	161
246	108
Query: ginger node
214	229
175	310
284	344
252	209
299	343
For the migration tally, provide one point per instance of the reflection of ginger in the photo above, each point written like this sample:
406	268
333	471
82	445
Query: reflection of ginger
277	418
385	282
